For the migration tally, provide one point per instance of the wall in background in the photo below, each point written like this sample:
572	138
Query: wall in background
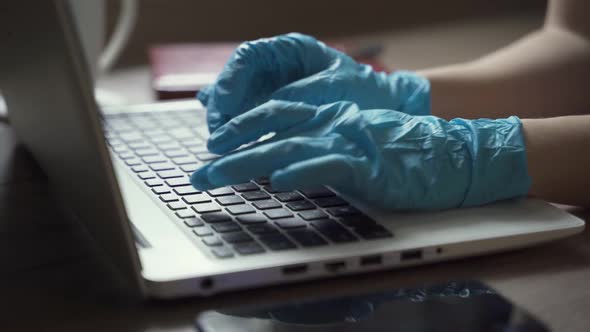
192	20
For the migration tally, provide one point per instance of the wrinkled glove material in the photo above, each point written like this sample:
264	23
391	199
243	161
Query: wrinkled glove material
387	158
296	67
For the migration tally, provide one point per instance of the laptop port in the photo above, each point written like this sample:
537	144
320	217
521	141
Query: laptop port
295	269
206	283
335	266
371	260
411	255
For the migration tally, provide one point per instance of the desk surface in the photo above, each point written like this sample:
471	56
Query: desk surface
48	279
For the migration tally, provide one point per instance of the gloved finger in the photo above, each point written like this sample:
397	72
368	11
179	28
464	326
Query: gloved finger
258	68
338	171
250	126
264	159
200	180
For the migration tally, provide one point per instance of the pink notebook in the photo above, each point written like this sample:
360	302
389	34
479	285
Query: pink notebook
180	70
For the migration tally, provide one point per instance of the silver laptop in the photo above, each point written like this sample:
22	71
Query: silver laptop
124	175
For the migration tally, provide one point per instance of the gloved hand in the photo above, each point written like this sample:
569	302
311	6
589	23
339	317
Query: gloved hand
296	67
387	158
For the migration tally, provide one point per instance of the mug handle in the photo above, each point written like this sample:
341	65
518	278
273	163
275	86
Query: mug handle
125	24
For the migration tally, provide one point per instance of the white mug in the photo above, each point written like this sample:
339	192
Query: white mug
89	16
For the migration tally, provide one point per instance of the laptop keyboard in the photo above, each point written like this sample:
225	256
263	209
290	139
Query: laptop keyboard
163	149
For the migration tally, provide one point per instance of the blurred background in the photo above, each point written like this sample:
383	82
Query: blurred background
412	35
230	20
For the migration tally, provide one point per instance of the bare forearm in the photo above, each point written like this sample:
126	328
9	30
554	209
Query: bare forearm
558	153
545	74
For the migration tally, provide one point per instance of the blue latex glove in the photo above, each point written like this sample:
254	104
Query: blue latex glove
296	67
387	158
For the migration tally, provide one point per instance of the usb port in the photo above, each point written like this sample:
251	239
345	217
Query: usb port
411	255
335	266
295	269
371	260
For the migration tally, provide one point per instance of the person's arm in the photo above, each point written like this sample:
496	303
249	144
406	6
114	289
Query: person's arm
547	73
558	153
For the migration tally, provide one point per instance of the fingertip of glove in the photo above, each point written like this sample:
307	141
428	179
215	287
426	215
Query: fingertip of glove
203	96
200	179
280	180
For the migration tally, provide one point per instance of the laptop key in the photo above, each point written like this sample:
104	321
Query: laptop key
300	206
222	252
360	220
184	214
165	166
249	186
197	148
186	190
255	195
343	211
146	175
175	153
334	231
230	200
126	155
167	198
307	238
202	231
119	148
223	191
193	142
215	217
171	174
196	199
189	168
130	136
139	145
169	146
371	232
313	215
266	204
330	201
139	168
161	138
318	192
133	162
277	242
153	159
278	213
147	152
248	248
289	197
153	183
206	208
160	190
177	205
236	237
289	223
212	241
178	182
263	229
251	219
193	222
226	227
188	160
240	209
